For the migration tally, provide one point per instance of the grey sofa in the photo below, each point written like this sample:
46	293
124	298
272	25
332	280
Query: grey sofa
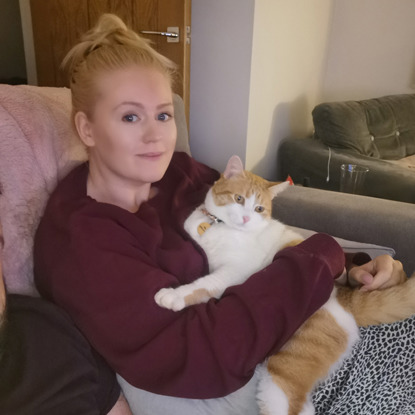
377	133
357	218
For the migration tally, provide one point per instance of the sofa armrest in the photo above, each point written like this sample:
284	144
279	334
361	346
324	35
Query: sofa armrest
358	218
309	158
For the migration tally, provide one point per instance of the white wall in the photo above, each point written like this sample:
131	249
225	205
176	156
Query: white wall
372	49
29	47
303	52
219	81
256	69
289	55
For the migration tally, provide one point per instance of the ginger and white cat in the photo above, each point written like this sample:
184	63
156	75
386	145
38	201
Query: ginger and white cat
239	237
235	229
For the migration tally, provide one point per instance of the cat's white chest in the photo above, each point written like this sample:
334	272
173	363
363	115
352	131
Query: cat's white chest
225	244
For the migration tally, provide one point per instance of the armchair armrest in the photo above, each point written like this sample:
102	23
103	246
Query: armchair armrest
358	218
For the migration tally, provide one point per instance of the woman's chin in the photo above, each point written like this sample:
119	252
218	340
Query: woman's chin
155	176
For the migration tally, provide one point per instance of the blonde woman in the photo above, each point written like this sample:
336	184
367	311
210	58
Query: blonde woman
112	236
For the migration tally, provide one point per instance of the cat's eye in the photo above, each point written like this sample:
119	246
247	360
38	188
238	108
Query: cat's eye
239	199
259	209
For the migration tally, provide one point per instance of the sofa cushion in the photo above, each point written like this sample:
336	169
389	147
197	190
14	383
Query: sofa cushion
380	127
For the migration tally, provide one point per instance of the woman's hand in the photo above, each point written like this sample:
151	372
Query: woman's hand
381	272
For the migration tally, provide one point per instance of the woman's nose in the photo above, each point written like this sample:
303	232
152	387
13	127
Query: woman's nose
151	132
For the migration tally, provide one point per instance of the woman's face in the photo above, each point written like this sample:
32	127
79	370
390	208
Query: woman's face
132	132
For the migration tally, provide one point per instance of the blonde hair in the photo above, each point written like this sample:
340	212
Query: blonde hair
110	45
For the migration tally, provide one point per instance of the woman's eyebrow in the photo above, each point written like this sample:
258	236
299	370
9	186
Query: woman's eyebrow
166	104
140	105
133	103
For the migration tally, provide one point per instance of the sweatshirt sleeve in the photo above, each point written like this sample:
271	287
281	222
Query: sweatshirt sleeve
205	351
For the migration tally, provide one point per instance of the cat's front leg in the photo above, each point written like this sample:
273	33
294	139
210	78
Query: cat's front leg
177	299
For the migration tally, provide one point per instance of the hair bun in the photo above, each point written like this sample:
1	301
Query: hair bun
109	23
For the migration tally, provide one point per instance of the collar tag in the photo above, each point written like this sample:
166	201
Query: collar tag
203	227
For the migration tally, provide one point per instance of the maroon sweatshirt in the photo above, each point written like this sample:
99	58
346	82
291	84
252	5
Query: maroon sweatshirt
104	265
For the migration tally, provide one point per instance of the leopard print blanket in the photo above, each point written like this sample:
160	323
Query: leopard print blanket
378	378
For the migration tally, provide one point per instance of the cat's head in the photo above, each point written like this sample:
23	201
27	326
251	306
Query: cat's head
242	199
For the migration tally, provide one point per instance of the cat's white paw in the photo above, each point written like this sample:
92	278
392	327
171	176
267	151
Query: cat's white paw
170	298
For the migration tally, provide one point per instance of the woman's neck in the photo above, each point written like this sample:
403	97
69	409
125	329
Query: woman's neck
116	191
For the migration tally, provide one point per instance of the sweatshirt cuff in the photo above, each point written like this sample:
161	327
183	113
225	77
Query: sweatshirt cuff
326	247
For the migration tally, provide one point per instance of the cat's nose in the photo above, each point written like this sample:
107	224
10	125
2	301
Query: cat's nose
246	219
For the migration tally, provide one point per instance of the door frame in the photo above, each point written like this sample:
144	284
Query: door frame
29	46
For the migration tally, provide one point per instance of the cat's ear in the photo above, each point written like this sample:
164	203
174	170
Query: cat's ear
278	188
233	168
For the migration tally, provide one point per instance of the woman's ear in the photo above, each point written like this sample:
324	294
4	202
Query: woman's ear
83	126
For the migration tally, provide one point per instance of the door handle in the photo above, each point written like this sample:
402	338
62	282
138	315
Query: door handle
172	34
151	32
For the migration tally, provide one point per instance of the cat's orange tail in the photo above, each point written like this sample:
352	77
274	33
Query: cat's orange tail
380	306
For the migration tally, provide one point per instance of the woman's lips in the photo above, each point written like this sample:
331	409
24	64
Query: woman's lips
151	156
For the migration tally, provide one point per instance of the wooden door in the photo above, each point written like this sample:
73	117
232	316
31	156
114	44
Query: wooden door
58	25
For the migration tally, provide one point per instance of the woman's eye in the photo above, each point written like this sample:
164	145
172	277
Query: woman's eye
239	199
259	209
164	116
130	118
